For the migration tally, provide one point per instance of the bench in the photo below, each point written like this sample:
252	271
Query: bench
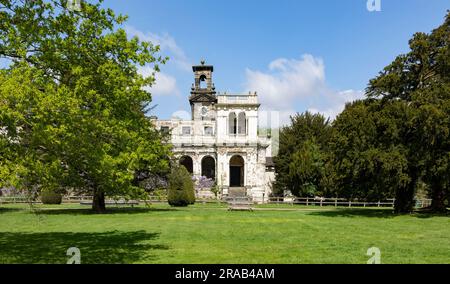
240	204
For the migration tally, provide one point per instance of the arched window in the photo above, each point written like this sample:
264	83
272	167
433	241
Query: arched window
187	162
232	122
209	167
242	123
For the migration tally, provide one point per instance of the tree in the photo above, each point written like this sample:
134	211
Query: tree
421	79
300	161
72	104
432	134
368	157
181	187
385	145
306	169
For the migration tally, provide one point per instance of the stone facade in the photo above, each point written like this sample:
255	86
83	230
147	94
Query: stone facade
221	140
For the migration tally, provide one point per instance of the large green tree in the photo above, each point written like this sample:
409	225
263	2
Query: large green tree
368	155
421	79
300	164
386	144
72	103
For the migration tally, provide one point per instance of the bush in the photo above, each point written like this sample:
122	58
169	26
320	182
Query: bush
50	197
181	188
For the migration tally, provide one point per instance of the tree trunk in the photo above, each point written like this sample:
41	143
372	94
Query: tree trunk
404	197
438	198
98	203
404	200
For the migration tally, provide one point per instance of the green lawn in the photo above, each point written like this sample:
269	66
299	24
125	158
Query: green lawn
210	234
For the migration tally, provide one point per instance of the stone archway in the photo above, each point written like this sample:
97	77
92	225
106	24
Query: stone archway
209	167
188	163
237	170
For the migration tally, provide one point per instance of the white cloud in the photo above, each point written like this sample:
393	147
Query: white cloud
289	82
182	115
168	45
336	102
165	85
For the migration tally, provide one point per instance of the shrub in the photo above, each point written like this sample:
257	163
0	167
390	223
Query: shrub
181	188
51	197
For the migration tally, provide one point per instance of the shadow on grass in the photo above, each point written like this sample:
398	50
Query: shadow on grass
112	211
427	213
96	248
376	213
8	209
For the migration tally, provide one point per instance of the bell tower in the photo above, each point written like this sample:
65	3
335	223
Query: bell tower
203	92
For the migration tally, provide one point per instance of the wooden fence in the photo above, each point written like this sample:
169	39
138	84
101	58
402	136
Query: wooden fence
87	199
321	202
340	202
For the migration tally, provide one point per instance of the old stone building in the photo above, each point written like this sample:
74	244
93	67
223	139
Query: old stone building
221	140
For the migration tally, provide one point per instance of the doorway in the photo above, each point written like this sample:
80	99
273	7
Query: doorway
237	171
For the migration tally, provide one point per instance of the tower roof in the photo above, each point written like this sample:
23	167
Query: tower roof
203	67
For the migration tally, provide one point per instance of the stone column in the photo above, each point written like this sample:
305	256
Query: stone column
222	170
197	165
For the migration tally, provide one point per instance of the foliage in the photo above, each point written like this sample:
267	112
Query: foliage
306	169
367	157
385	145
215	190
421	80
203	182
301	160
51	197
72	103
152	182
181	187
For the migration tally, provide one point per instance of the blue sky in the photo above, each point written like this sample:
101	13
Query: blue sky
298	55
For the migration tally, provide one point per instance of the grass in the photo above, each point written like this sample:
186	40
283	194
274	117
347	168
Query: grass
210	234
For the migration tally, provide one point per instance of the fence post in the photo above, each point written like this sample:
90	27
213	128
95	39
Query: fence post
350	203
378	203
335	202
307	201
321	202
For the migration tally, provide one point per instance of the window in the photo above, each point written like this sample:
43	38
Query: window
232	123
186	130
165	129
242	122
209	131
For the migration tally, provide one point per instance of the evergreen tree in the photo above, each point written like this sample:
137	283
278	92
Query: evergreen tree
181	187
